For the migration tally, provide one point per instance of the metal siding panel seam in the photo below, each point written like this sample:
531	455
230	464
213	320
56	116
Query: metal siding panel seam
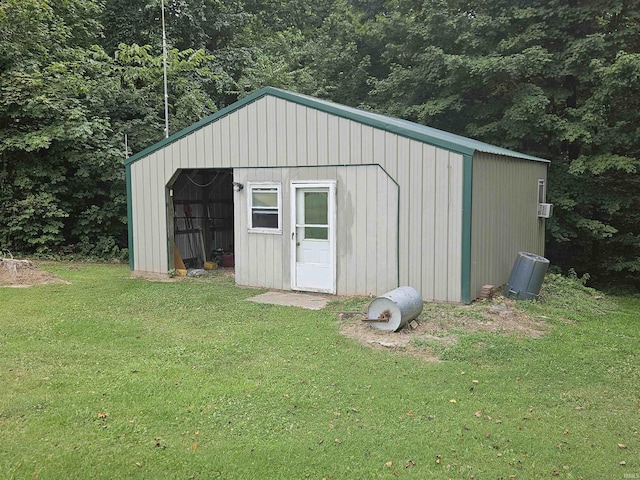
362	198
240	231
394	248
146	248
162	216
270	153
191	151
380	150
199	155
402	163
344	142
381	232
373	222
355	155
414	165
270	250
248	132
243	135
390	160
216	147
259	261
301	136
323	138
227	144
333	138
366	142
311	136
342	229
441	264
285	248
280	242
351	242
234	142
152	207
208	146
292	147
281	134
428	221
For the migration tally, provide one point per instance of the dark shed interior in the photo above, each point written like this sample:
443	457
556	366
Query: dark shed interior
201	216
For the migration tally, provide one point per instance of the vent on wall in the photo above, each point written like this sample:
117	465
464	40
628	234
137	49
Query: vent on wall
545	210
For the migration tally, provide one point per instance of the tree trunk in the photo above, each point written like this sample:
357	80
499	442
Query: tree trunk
12	265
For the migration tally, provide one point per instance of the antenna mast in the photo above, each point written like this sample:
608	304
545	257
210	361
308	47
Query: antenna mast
164	64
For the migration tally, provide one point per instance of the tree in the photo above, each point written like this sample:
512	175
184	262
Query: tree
551	78
555	78
44	118
130	22
64	110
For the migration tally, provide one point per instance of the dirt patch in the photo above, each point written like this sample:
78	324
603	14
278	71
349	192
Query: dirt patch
24	273
154	277
193	274
439	326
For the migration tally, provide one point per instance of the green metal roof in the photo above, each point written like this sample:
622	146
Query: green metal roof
432	136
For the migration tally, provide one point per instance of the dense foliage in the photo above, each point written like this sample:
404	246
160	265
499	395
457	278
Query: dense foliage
555	78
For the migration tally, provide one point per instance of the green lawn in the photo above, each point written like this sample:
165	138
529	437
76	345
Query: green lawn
114	377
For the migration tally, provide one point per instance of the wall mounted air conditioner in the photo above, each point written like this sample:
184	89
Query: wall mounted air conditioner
545	210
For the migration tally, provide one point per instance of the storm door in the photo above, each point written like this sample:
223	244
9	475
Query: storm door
313	248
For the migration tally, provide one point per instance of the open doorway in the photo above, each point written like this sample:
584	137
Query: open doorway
200	211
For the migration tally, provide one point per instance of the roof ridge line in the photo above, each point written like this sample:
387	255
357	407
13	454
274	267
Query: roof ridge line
398	126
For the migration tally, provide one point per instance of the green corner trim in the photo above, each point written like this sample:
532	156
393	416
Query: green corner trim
467	195
129	215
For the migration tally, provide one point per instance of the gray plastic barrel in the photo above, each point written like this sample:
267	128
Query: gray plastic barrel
395	309
526	276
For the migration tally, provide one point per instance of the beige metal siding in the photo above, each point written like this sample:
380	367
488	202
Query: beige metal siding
148	212
430	181
426	218
505	219
364	263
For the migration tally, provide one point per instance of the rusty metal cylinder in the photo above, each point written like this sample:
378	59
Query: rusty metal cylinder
395	309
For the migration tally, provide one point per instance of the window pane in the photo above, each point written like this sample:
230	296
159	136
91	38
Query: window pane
316	233
316	208
265	198
541	191
264	219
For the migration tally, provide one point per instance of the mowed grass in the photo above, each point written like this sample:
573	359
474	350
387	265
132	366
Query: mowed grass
113	377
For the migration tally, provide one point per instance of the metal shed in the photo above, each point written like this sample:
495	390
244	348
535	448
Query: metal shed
315	196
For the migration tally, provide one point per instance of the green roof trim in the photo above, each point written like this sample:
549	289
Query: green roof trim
404	128
129	216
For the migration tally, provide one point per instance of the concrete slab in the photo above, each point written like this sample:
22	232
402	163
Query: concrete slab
292	299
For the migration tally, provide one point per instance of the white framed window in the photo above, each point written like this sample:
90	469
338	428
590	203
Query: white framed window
545	210
542	191
265	207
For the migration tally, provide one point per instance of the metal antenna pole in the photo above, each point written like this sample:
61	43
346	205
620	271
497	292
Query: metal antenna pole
164	63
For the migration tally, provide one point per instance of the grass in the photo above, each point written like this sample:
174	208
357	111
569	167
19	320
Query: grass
114	377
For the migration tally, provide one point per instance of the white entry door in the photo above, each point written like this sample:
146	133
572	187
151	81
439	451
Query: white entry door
313	250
